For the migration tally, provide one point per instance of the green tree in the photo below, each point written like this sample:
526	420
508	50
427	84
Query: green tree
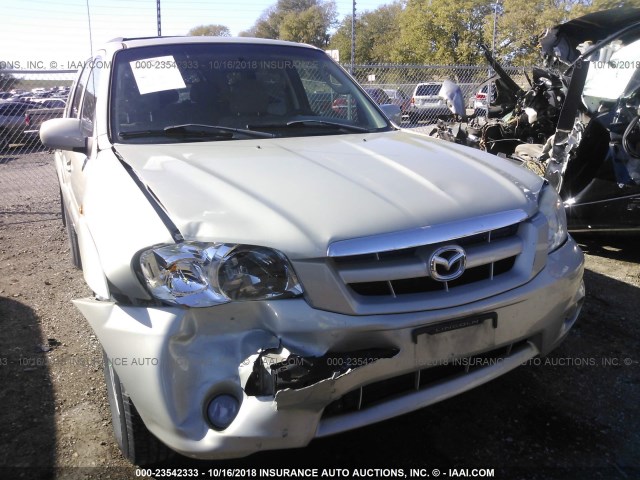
520	23
376	34
306	21
210	30
267	25
308	26
7	81
441	31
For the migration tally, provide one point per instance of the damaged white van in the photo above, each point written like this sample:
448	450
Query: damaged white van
271	265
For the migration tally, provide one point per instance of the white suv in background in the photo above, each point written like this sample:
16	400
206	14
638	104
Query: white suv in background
426	104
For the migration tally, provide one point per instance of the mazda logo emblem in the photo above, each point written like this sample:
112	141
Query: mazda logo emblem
447	263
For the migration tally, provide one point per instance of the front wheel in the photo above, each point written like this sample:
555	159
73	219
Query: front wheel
136	442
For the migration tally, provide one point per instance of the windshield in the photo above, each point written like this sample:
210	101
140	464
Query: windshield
229	91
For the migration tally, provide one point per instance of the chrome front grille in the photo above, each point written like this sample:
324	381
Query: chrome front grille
406	271
391	273
379	392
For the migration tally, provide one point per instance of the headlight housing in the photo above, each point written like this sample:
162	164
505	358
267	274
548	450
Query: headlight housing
197	274
551	206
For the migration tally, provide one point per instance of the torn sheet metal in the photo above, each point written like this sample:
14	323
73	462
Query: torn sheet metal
312	381
275	370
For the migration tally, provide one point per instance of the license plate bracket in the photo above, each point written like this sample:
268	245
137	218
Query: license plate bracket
455	324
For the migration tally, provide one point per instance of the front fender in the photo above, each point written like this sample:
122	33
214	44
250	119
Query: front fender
91	265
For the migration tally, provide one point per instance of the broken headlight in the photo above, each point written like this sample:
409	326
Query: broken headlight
198	274
551	206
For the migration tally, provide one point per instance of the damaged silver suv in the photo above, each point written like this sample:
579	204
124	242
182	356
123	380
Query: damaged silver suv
268	269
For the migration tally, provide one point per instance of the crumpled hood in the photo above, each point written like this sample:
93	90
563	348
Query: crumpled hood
300	194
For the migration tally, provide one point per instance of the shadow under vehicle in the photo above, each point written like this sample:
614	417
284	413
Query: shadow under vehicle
578	123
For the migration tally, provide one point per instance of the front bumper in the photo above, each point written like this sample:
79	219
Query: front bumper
428	108
172	361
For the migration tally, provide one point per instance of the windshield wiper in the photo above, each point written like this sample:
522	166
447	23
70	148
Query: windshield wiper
196	128
191	130
313	122
142	133
175	134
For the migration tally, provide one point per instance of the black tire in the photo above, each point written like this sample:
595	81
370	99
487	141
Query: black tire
74	246
136	442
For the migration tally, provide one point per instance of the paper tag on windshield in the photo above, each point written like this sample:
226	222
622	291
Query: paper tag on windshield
157	74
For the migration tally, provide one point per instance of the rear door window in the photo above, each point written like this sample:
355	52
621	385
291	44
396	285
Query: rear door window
427	90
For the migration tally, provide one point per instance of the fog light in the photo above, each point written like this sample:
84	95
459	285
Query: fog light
222	410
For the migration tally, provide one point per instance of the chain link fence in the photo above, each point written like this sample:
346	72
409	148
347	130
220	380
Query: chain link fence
28	185
27	98
28	189
400	83
406	77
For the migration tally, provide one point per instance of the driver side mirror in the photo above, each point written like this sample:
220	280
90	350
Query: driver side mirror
63	134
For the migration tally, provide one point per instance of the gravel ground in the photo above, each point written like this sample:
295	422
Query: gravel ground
571	415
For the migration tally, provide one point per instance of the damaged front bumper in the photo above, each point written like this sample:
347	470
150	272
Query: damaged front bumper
300	373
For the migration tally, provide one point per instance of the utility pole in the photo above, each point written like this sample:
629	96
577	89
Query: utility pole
493	54
159	21
90	32
493	40
353	35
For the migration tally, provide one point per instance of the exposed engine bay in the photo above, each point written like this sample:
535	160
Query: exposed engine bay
577	124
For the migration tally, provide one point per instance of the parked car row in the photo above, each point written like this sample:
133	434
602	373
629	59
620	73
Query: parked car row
392	110
20	121
479	98
426	103
12	122
36	95
399	98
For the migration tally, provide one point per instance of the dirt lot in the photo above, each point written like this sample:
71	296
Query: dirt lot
571	415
